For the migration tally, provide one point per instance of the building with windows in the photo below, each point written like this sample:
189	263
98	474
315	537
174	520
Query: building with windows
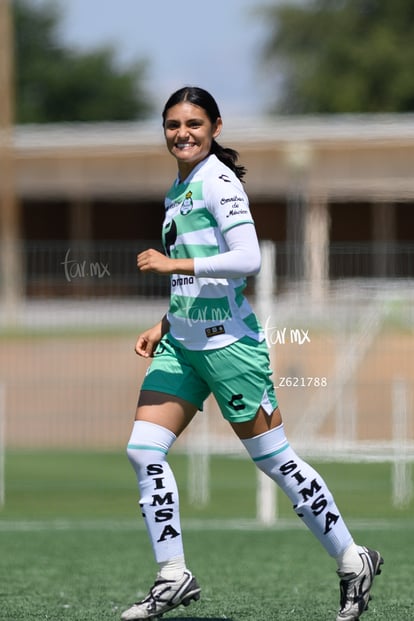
319	187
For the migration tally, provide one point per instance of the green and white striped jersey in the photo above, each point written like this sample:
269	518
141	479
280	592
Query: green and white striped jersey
206	313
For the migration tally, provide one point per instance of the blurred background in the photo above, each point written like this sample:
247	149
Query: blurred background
318	98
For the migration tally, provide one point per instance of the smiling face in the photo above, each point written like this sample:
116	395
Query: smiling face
189	133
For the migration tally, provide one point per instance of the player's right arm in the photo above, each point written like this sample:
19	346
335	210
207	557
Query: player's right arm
149	339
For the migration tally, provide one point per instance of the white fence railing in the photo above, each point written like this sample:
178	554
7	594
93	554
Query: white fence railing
72	380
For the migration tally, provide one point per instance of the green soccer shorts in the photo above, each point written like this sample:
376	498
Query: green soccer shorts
238	376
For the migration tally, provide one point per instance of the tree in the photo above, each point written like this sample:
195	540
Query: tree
342	56
55	83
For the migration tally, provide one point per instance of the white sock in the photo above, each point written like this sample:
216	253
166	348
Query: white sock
147	451
172	569
312	500
350	562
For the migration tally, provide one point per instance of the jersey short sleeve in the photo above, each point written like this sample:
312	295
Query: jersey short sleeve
226	199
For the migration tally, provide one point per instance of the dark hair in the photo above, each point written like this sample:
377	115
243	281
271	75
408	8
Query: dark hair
202	98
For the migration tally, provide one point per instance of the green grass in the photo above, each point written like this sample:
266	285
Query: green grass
78	575
71	485
73	546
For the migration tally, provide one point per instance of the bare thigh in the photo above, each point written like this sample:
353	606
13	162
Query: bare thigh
261	423
166	410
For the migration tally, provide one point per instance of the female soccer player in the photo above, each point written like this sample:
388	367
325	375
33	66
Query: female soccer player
210	341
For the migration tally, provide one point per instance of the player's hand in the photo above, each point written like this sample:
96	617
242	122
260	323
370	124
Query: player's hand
153	261
148	341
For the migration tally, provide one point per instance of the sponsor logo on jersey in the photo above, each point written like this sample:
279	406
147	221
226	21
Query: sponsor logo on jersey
169	204
224	178
169	236
182	280
236	208
232	199
214	331
236	212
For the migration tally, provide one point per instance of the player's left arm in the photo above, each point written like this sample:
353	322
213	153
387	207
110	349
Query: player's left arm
240	260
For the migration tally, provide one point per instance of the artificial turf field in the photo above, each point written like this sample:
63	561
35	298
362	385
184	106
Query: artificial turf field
73	547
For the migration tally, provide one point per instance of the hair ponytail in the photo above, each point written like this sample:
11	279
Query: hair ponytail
201	98
229	157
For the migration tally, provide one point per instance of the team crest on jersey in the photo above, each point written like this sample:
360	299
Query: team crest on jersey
187	204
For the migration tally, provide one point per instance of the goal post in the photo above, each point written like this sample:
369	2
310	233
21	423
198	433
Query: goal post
401	467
